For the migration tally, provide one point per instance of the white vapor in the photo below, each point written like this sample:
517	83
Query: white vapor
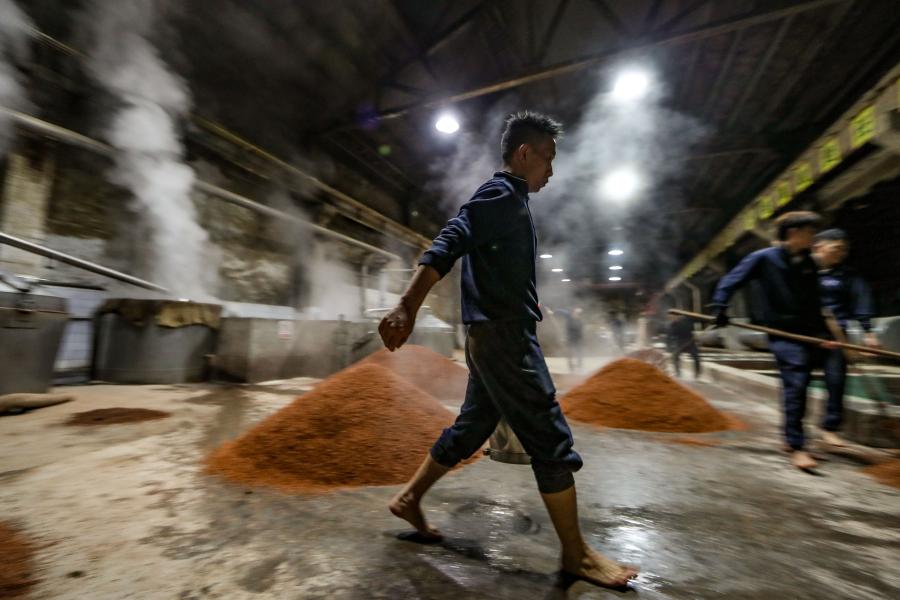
144	128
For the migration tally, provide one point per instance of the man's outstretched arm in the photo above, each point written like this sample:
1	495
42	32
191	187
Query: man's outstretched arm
396	326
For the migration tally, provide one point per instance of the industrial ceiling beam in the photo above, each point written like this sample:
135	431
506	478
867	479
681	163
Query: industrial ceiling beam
575	65
808	57
677	19
558	14
612	18
439	40
650	16
760	69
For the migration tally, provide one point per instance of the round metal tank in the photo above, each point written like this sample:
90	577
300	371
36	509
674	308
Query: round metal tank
154	341
32	322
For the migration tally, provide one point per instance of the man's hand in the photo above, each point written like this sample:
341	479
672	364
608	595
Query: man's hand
396	326
721	318
830	345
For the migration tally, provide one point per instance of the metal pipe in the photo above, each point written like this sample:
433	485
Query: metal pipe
27	246
571	66
71	137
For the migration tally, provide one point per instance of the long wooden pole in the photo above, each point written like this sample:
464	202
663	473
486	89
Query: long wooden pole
791	336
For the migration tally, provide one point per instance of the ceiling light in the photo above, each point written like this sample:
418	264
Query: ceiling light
621	184
615	279
557	270
616	252
565	280
616	268
546	256
631	85
447	124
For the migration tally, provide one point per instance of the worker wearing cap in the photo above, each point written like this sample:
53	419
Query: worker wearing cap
788	279
846	297
494	236
680	339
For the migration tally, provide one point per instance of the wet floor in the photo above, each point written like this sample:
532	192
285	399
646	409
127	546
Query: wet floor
130	513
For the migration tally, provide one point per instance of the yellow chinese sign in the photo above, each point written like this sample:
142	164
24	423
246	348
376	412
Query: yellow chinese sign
802	176
829	154
750	219
766	206
862	127
783	192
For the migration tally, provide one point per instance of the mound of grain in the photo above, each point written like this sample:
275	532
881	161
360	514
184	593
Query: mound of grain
17	570
364	425
887	473
426	369
631	394
115	416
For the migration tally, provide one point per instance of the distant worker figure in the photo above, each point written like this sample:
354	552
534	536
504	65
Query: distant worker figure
574	336
617	330
790	294
495	237
846	296
680	339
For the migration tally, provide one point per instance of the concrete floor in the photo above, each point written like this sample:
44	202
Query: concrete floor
122	512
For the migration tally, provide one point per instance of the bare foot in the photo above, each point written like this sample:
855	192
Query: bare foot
595	568
833	439
407	508
803	461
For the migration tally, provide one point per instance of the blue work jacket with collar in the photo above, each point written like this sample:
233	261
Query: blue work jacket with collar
790	289
847	296
495	237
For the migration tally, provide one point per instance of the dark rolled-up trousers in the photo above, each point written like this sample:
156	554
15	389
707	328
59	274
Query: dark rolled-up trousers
508	378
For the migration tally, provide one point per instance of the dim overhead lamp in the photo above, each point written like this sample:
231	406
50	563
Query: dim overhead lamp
557	270
631	85
615	278
546	256
621	184
616	268
616	252
447	124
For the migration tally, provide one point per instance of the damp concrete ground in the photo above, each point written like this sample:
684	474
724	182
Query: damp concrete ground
123	511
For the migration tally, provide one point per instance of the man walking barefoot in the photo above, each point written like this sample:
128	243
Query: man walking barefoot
508	377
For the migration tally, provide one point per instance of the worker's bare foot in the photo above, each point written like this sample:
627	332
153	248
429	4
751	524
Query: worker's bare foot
595	568
407	508
803	461
833	439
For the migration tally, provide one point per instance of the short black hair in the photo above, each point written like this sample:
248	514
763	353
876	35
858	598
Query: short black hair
797	219
832	235
526	127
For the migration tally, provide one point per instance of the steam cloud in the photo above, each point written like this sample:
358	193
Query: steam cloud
150	158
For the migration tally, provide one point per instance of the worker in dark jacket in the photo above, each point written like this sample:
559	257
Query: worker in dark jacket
508	376
789	283
680	339
846	297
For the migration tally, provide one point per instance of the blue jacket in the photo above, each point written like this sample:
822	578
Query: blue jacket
494	235
790	289
847	295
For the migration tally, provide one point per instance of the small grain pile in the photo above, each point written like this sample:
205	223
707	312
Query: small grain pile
887	473
17	570
115	416
426	369
365	425
631	394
